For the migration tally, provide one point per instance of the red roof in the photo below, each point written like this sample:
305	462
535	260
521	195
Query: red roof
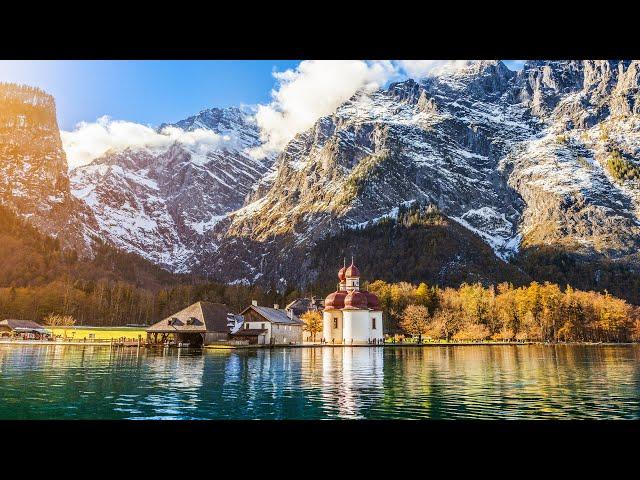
356	300
335	300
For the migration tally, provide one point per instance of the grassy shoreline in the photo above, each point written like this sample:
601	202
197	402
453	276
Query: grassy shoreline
98	333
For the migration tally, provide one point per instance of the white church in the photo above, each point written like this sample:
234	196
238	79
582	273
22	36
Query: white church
351	316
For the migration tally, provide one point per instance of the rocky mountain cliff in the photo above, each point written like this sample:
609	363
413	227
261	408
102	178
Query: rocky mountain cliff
515	163
544	156
34	182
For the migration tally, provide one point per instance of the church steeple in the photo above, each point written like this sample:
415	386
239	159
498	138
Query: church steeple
352	277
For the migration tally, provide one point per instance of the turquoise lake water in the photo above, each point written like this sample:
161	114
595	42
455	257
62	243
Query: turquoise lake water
463	382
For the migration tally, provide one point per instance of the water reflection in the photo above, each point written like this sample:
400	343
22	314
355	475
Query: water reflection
181	374
352	379
441	382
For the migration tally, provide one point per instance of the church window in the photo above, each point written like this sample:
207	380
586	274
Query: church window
335	323
373	323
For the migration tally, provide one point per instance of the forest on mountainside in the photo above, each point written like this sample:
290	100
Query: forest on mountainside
38	278
419	245
552	264
423	245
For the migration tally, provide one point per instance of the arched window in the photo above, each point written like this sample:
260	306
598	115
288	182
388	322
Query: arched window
373	323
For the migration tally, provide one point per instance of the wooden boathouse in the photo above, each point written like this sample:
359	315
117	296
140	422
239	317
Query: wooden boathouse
199	324
26	329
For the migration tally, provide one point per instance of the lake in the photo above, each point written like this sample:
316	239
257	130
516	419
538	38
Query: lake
460	382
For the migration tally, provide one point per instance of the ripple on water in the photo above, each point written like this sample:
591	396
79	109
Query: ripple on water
527	382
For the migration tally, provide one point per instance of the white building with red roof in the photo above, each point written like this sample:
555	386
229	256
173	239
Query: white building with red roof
351	316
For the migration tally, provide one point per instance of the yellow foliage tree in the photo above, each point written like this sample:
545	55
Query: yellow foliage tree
473	332
55	320
312	322
415	320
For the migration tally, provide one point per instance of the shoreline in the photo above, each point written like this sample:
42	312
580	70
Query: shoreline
75	343
312	345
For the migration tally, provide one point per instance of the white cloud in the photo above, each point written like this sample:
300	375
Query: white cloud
89	141
302	95
317	87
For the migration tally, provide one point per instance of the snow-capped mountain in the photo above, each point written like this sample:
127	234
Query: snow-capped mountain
544	157
162	202
518	158
576	176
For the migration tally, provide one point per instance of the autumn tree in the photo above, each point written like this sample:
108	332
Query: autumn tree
444	323
55	320
427	296
508	311
478	303
312	322
472	332
415	321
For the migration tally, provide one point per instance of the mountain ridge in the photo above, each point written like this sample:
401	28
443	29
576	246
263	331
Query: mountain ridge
463	141
544	157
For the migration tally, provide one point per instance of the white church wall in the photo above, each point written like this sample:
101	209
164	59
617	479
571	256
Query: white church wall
378	332
332	326
356	326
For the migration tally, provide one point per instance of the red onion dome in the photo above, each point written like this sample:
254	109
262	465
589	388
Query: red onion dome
352	271
341	274
356	299
335	300
372	301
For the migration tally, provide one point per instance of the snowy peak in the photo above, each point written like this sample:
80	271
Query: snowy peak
230	122
545	157
162	203
597	87
478	79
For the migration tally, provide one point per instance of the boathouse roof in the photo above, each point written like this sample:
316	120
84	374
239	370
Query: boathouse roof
23	325
197	318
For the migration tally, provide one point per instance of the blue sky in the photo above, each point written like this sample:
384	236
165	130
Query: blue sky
148	92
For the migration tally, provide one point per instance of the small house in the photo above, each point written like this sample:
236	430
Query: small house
199	324
26	329
269	326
